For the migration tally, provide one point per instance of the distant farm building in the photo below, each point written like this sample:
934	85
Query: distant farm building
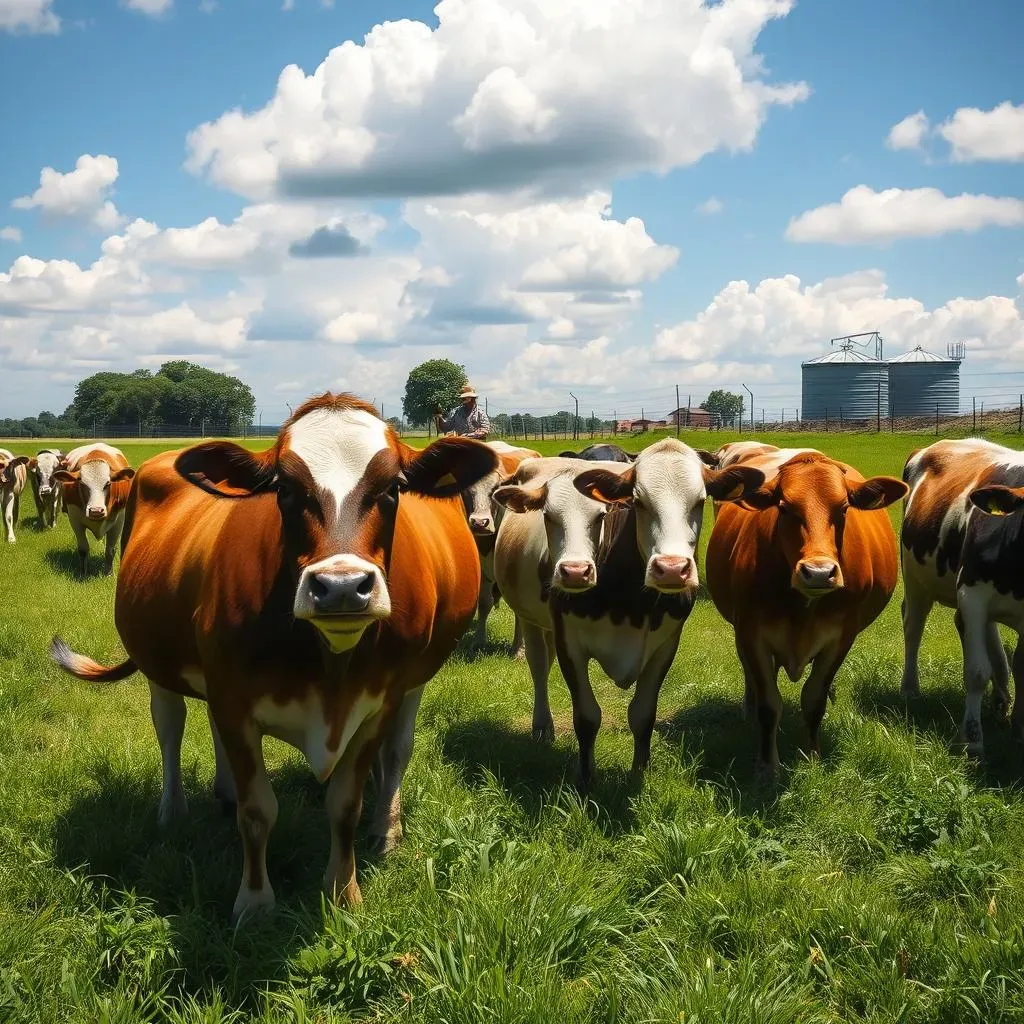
691	418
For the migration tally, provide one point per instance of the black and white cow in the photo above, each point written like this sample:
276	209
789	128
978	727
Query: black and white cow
962	546
45	489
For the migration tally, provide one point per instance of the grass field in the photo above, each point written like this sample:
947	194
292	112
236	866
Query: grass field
883	883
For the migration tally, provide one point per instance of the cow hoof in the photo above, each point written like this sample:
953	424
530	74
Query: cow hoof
172	811
766	776
251	903
544	732
381	846
910	691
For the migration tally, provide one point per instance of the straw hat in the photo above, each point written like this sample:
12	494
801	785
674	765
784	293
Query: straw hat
467	392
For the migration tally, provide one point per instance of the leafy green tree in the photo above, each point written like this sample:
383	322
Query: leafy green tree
727	406
431	384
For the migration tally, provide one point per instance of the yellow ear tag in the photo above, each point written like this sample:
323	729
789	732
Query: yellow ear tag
447	481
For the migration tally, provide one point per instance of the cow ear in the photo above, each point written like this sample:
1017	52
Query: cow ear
123	474
225	469
737	483
21	460
606	487
448	466
67	476
877	493
521	499
997	500
708	458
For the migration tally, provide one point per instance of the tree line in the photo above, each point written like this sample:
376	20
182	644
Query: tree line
179	393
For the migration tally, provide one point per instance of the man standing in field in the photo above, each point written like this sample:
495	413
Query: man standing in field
467	419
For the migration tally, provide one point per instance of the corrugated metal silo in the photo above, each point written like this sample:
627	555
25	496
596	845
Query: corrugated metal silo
844	384
921	383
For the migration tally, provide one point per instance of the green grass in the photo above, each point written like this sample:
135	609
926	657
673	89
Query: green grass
882	883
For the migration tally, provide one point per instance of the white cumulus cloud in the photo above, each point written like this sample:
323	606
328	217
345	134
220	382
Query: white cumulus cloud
506	95
28	16
996	134
908	133
864	216
154	8
711	206
10	234
80	194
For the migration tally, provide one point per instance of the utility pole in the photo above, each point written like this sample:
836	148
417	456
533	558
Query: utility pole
677	410
576	422
751	393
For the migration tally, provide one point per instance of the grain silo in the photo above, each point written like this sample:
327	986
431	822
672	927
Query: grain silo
924	384
846	384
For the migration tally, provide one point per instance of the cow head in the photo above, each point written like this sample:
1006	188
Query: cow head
811	497
96	481
998	500
667	486
480	508
43	467
336	473
572	521
9	465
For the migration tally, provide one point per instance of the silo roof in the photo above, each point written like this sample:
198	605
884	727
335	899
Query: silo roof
843	355
921	355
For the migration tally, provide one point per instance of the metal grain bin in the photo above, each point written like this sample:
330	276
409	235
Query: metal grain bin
844	384
921	383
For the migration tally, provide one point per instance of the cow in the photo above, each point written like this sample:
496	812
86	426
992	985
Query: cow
484	516
96	480
800	568
307	592
46	491
12	483
962	546
599	560
600	453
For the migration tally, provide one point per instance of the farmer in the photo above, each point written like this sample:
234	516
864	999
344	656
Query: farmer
467	419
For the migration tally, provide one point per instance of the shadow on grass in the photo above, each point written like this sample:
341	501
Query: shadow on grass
191	870
66	562
936	712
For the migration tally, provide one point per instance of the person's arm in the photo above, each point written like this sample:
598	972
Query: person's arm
443	425
483	424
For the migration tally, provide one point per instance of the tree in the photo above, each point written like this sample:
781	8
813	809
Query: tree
395	424
431	384
725	405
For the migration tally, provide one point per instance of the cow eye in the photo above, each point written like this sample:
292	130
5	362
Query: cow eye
288	496
390	496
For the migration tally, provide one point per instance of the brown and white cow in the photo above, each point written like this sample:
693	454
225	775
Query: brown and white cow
307	592
800	568
484	515
45	489
12	483
96	479
600	562
962	546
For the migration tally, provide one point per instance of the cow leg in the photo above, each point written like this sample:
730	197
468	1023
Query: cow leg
395	754
82	545
643	708
108	561
1017	715
168	712
484	604
256	813
586	712
974	630
344	805
762	681
915	610
1000	671
223	781
538	656
815	693
7	501
517	638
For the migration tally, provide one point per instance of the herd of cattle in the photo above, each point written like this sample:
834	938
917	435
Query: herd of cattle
310	591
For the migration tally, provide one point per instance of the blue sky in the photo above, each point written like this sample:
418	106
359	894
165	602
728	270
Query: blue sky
553	294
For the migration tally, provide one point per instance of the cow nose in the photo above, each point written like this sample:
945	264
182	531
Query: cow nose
96	512
336	593
576	575
480	522
44	490
670	571
819	575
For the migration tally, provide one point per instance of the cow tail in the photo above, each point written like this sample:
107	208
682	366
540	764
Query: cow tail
85	668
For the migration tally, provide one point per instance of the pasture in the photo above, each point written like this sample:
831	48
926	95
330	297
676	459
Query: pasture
884	882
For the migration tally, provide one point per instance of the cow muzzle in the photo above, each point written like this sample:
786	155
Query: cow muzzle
481	525
342	597
96	513
671	574
575	576
45	490
817	577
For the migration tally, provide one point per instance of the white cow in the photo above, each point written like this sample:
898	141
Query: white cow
12	483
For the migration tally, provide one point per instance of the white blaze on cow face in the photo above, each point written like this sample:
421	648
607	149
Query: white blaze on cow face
342	593
94	485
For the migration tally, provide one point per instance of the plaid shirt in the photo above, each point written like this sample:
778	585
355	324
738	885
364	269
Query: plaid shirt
461	422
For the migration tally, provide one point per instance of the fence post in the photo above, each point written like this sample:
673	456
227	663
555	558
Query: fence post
936	421
974	419
1020	415
826	419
